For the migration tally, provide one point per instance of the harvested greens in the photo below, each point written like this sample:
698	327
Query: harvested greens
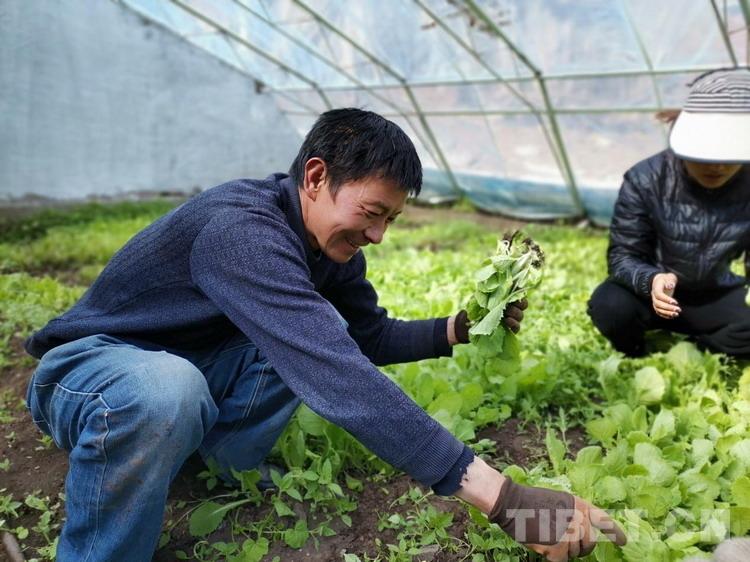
506	277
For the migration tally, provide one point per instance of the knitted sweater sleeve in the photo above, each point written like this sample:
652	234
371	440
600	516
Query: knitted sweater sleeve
382	339
253	268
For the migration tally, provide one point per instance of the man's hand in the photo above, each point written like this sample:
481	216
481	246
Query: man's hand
662	289
458	325
557	525
554	524
514	314
580	537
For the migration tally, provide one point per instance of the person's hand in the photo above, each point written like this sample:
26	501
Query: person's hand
554	524
514	314
580	537
512	317
662	289
557	525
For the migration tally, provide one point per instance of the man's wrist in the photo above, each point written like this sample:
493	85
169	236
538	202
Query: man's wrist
452	330
481	485
461	327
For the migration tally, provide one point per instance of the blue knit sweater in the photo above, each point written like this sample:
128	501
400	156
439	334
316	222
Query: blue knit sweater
237	257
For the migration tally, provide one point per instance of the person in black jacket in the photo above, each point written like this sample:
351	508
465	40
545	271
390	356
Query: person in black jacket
681	217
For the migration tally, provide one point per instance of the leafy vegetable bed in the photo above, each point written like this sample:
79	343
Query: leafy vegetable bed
663	441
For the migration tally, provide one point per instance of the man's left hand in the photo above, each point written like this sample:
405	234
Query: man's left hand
514	314
458	325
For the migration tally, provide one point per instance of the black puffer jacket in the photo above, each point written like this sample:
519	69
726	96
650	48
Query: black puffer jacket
664	221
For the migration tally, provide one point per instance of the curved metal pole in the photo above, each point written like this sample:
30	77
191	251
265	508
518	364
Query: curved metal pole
568	111
724	33
348	75
568	170
243	71
475	55
745	5
310	109
473	52
550	77
646	59
245	43
404	84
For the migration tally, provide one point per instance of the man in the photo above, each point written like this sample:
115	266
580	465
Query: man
207	329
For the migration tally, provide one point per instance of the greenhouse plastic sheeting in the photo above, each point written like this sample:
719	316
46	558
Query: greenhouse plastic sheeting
516	198
532	108
529	108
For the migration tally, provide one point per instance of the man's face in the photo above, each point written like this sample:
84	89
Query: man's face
359	215
711	175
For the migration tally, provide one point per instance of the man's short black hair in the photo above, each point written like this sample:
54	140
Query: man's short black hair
357	144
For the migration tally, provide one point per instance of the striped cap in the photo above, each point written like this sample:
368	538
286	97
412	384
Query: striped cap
714	125
723	91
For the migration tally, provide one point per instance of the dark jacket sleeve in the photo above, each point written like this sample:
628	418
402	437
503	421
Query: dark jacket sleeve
382	339
632	239
253	268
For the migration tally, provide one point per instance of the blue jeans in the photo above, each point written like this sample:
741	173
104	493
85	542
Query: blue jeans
131	413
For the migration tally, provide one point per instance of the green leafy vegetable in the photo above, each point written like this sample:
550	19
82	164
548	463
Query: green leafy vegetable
507	276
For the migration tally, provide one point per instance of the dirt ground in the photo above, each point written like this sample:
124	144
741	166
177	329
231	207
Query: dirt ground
39	469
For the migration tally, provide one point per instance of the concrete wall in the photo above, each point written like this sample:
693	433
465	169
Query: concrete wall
95	101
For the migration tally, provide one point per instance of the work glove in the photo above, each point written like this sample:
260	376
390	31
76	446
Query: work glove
555	524
511	318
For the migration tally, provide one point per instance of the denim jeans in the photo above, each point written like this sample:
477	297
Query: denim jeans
130	413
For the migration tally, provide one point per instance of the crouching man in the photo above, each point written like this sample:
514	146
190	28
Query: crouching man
211	325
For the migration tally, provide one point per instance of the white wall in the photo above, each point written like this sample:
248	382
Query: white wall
96	101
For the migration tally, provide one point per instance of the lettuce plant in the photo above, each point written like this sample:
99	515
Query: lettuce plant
505	277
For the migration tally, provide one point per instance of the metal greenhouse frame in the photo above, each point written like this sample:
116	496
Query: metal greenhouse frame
397	56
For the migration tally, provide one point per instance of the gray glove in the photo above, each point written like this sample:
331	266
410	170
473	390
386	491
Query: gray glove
532	515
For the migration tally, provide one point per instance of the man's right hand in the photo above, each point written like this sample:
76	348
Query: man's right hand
662	289
557	525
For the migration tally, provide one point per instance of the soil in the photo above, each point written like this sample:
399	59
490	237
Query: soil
41	470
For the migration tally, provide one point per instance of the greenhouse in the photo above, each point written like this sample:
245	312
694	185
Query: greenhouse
552	199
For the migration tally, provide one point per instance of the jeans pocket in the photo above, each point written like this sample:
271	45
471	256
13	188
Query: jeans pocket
62	413
35	409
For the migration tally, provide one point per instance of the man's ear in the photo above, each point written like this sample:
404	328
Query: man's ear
315	177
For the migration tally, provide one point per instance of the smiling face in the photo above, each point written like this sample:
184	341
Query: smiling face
711	175
358	215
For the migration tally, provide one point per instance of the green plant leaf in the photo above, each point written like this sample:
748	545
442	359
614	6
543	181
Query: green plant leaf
556	450
472	395
741	492
209	515
602	429
297	536
282	509
449	402
610	489
650	456
684	356
253	550
664	425
310	422
649	385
